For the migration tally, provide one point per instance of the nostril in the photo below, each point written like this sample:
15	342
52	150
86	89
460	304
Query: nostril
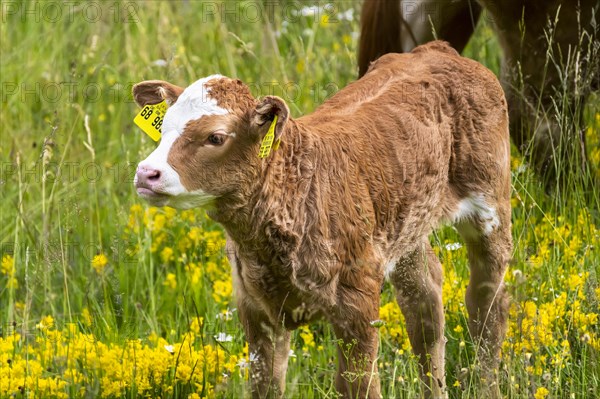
153	175
147	175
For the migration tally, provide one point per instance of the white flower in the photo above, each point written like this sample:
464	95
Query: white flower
519	277
314	10
253	357
226	314
307	32
377	323
223	337
347	15
453	246
159	63
243	363
170	348
291	354
309	11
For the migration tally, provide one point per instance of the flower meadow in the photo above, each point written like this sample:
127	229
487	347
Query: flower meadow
102	296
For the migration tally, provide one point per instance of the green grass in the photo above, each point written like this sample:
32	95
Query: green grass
68	150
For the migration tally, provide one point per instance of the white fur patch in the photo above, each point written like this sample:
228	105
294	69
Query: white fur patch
192	104
390	267
475	207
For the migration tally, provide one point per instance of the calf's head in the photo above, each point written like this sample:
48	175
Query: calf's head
211	134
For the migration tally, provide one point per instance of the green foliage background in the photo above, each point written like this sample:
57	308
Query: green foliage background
102	296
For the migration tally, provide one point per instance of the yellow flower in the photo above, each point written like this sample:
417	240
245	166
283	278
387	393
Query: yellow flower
222	291
8	268
136	209
196	324
166	254
45	323
170	281
307	337
576	281
158	223
541	393
195	234
8	265
324	21
170	213
12	283
188	216
87	317
394	327
184	244
515	162
99	262
114	367
158	241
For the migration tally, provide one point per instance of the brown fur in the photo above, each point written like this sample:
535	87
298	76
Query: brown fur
524	55
356	185
231	94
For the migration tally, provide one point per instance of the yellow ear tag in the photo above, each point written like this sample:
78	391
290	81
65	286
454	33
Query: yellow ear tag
276	145
150	119
267	143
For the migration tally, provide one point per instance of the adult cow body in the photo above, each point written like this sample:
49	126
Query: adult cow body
551	53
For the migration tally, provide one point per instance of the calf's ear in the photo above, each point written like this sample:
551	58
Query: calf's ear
266	110
155	91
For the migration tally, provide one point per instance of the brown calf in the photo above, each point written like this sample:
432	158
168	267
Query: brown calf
350	196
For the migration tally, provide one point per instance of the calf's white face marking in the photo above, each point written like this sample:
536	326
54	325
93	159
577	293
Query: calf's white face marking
192	104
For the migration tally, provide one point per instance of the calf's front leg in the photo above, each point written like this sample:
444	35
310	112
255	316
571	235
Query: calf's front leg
269	347
357	375
268	342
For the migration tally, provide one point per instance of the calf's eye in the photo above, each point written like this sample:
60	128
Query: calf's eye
216	139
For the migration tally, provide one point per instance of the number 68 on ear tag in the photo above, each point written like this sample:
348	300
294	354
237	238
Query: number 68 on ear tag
150	119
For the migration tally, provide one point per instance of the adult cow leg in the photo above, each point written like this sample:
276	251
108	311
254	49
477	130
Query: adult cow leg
486	299
418	281
398	26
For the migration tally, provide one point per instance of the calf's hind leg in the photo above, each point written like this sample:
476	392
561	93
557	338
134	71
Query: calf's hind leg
418	281
489	244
